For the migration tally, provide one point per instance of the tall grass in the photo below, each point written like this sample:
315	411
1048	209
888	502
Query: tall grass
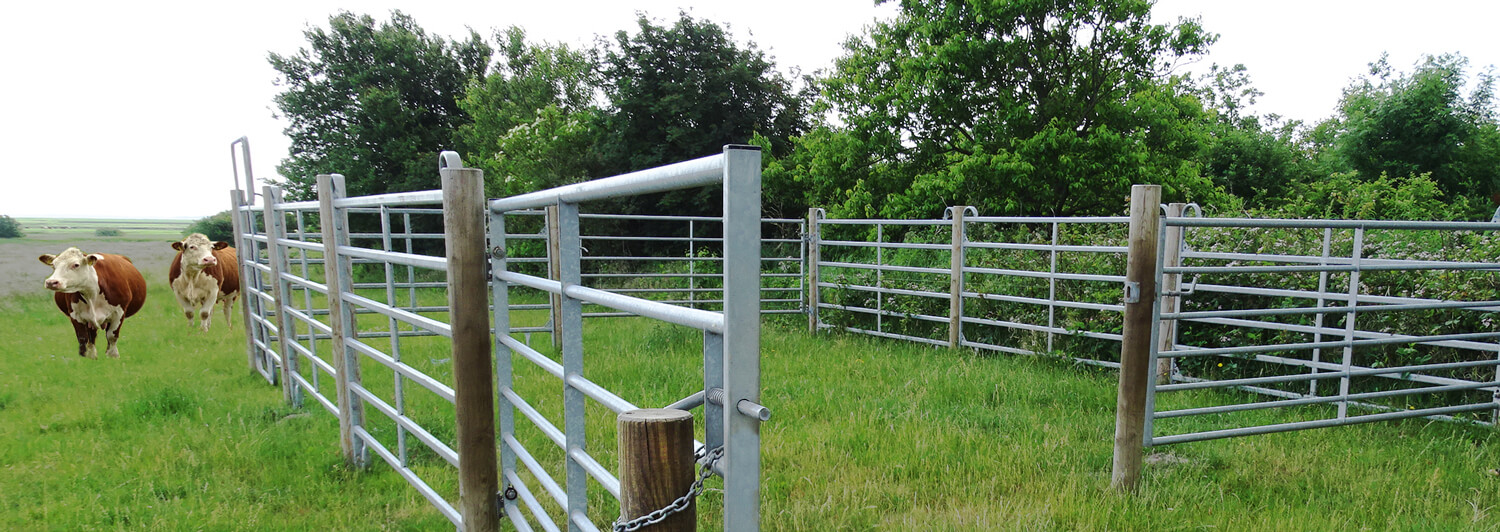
178	434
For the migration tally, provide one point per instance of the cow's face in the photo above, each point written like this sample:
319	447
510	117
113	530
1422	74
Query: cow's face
197	251
72	271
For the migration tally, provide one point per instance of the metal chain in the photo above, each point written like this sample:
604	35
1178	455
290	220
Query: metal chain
705	470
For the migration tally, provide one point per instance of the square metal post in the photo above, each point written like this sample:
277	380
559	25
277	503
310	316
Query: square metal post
338	272
742	248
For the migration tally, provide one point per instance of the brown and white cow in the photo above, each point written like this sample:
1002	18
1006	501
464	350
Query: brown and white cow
203	273
97	291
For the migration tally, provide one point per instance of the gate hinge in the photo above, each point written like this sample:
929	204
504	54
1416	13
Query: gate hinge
1132	292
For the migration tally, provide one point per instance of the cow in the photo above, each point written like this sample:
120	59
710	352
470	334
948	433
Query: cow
204	273
97	291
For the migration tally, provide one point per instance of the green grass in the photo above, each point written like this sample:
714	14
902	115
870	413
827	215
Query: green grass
128	229
866	434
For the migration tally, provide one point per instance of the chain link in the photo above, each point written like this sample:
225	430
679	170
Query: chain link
706	469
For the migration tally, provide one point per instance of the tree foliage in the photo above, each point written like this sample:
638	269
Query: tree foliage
373	102
1022	107
1257	158
218	227
10	228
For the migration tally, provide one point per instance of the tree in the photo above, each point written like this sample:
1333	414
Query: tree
533	120
684	92
375	103
10	228
218	227
1422	123
1257	158
1020	107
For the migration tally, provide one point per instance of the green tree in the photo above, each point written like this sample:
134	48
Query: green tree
685	91
1020	107
1257	158
375	103
218	227
1422	123
10	228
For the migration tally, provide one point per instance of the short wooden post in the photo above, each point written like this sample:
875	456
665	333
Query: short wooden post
1135	348
656	465
1170	301
468	304
554	271
956	279
338	274
237	201
814	255
275	223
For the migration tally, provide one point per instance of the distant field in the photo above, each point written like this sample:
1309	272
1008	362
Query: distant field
130	229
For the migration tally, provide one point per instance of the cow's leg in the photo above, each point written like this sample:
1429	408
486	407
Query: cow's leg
206	312
111	335
85	334
228	306
187	307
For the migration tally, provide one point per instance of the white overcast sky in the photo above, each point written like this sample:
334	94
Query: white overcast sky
126	109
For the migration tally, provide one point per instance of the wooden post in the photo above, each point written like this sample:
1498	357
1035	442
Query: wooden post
1135	346
468	309
237	200
656	465
275	223
554	271
813	256
1171	283
956	279
338	275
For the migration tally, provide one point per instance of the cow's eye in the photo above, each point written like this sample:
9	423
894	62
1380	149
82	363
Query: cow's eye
75	266
192	247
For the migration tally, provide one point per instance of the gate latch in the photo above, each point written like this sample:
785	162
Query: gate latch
1132	292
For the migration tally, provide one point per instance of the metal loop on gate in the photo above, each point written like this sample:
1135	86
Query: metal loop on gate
969	210
449	160
706	469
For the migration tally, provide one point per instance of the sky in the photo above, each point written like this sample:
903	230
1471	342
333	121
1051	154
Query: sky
127	109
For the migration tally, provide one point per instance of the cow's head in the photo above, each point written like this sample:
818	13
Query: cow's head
72	271
197	251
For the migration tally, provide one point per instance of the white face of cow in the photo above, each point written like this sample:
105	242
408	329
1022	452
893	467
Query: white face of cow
197	251
72	271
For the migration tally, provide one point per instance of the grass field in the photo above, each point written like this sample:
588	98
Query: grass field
88	228
178	434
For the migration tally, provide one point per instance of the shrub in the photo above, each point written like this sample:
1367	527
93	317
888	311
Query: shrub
9	227
217	227
107	232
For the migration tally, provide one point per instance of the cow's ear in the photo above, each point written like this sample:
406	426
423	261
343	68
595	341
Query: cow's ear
92	258
46	259
177	246
220	245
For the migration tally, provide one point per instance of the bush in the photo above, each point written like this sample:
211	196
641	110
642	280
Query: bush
9	227
217	227
107	232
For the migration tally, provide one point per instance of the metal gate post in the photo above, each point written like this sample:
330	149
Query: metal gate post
814	254
473	394
554	271
1171	285
1141	303
338	272
237	200
1355	255
500	306
742	264
275	224
571	274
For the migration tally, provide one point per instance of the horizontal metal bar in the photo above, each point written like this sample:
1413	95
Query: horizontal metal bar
297	206
397	210
394	257
410	318
1334	343
1445	266
410	476
537	419
1303	425
882	334
590	465
299	244
886	313
1361	372
687	174
1305	400
390	200
885	245
1045	247
423	379
687	403
697	319
1048	219
1334	224
1046	275
885	267
531	503
1104	307
1360	309
557	493
866	221
442	449
598	393
1309	329
551	366
308	387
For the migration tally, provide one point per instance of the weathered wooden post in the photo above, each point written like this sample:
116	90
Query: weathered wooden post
468	309
1171	283
338	273
1135	344
656	465
554	271
275	224
956	279
814	255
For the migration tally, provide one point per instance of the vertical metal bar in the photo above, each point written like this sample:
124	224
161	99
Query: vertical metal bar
713	378
275	224
411	271
504	372
741	336
1137	344
571	270
237	202
262	334
1359	246
554	271
1317	353
338	270
1052	290
1171	284
956	279
312	334
393	328
468	303
692	261
879	277
814	255
802	263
